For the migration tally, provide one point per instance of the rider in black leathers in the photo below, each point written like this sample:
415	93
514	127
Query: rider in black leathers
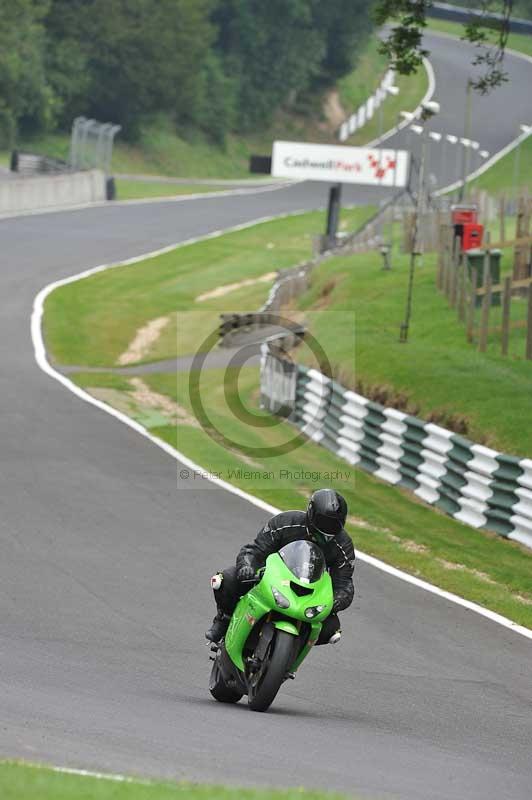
323	524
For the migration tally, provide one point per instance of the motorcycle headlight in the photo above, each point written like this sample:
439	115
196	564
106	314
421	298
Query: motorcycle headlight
313	611
280	599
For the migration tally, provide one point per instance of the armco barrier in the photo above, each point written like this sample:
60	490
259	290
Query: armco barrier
470	482
51	191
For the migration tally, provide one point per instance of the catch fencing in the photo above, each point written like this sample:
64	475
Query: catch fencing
471	483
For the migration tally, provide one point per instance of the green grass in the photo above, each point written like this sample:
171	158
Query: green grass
92	322
84	321
385	521
162	151
355	88
412	89
500	177
134	190
438	370
23	782
516	41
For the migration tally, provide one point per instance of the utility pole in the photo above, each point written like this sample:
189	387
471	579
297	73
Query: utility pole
428	111
468	119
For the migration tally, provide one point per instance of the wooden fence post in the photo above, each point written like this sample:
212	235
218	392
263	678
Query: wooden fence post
462	288
472	307
441	259
458	288
486	306
529	326
502	218
506	300
520	270
455	255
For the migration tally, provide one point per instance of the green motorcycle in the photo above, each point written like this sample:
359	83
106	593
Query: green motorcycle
273	627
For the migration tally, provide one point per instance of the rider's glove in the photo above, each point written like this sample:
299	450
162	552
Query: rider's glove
339	603
245	573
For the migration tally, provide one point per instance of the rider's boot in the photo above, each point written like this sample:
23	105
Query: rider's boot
218	628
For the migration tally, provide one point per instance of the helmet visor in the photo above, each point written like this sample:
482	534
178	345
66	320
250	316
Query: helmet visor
327	526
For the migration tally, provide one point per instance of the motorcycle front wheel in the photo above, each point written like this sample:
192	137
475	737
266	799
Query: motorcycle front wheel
266	682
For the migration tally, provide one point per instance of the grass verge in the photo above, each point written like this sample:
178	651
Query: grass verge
412	89
385	521
92	322
503	175
516	41
23	782
355	88
438	372
136	190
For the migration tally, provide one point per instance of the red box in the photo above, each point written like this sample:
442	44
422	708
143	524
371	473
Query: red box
472	234
462	215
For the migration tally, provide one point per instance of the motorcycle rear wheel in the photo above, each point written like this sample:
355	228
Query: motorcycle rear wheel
218	687
282	653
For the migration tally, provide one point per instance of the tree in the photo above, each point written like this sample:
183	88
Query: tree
404	45
272	50
124	60
25	96
345	25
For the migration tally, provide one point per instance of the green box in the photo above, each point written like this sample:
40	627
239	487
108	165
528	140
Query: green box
475	263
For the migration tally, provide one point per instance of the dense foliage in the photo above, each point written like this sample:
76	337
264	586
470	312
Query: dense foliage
404	42
217	65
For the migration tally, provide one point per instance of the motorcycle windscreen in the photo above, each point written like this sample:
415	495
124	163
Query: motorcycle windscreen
304	560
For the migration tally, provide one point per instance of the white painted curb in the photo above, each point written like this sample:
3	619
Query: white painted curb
429	94
45	366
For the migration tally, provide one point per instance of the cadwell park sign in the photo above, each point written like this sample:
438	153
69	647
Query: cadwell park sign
340	164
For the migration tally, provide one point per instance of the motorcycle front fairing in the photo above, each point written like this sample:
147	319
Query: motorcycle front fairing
274	593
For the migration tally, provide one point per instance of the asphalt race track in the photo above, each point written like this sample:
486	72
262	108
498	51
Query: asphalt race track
104	568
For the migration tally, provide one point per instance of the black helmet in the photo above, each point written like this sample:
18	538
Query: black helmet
326	514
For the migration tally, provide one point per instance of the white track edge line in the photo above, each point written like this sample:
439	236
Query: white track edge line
84	773
500	153
484	167
427	96
46	367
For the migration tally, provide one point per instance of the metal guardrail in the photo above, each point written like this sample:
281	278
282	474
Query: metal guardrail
471	483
